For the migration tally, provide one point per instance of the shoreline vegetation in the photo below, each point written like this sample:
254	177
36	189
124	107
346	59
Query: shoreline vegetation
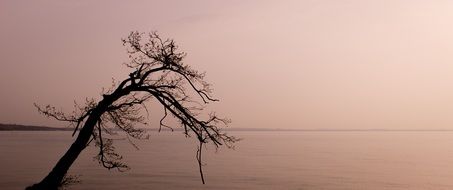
17	127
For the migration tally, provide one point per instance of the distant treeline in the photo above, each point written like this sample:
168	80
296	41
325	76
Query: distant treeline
14	127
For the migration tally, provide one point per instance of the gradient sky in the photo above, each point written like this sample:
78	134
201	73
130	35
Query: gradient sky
334	64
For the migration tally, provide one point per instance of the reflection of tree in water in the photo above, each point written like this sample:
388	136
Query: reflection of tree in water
158	73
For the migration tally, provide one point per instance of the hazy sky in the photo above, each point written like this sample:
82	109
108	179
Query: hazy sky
274	64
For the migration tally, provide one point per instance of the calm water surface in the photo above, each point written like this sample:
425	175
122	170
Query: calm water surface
263	160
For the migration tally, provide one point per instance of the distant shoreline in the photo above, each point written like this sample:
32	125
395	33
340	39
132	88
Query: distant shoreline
14	127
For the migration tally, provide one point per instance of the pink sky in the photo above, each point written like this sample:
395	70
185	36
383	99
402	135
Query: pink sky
274	64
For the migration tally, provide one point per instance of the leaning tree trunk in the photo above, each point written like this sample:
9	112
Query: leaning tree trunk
54	179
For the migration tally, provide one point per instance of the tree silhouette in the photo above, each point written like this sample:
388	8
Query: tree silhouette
158	73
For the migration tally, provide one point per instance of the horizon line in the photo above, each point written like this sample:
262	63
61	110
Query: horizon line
252	129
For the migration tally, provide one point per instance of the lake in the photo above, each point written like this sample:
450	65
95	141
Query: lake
301	160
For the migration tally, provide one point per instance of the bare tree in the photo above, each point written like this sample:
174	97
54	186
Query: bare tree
158	73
